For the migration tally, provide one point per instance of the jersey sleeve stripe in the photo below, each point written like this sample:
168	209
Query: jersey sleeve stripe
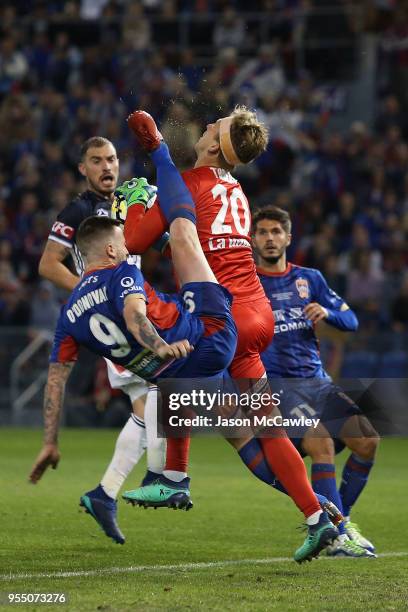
60	240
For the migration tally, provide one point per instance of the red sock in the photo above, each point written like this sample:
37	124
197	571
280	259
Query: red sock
287	465
177	454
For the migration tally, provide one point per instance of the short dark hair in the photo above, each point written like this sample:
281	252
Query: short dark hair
94	229
94	141
273	213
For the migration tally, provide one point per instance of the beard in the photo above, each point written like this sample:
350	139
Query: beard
99	188
273	259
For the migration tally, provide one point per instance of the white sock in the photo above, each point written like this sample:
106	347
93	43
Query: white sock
130	446
313	519
173	475
156	447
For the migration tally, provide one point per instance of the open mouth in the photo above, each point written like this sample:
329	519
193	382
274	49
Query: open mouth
107	179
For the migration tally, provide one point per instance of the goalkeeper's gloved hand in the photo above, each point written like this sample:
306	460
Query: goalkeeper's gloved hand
135	191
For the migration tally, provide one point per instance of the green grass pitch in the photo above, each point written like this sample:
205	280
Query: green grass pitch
231	552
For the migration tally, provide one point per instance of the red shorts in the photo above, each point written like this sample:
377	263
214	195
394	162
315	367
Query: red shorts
255	325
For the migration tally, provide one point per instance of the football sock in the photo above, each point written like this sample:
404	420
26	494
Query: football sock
156	447
175	199
252	455
285	461
324	482
313	519
174	475
354	479
177	454
130	446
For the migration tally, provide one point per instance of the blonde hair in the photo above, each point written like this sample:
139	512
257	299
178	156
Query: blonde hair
249	137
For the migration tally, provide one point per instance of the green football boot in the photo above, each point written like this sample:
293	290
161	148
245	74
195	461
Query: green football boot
161	493
319	537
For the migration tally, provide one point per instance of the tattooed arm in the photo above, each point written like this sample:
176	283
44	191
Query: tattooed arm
53	401
145	333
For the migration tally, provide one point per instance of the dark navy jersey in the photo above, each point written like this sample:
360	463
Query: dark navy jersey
93	316
294	350
64	230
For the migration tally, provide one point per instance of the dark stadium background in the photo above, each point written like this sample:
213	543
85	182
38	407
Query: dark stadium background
329	78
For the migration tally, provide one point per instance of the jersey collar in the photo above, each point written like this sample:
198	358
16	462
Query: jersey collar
92	270
267	273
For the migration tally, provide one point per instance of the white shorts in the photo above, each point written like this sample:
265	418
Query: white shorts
126	381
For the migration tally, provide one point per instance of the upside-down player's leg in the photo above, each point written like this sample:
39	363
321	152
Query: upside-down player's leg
172	489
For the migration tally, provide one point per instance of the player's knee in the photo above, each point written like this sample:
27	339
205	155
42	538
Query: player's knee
365	448
320	450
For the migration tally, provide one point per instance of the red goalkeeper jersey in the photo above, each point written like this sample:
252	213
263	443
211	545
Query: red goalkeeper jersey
223	225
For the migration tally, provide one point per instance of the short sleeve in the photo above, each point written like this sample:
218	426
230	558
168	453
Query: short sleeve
65	348
127	280
65	227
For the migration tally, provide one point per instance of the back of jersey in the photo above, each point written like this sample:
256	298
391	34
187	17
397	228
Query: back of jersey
224	225
93	317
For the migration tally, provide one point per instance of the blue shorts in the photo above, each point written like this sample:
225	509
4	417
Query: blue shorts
215	349
316	398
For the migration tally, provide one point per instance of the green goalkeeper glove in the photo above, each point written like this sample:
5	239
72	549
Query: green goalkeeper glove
135	191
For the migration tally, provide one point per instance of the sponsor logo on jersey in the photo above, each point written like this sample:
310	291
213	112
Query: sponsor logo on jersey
127	281
101	212
65	231
302	287
296	320
215	244
132	289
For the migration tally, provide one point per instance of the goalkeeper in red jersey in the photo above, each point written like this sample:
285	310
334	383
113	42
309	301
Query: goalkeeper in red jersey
223	224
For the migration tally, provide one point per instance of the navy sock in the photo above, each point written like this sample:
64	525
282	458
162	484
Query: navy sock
253	457
175	199
324	483
354	479
99	493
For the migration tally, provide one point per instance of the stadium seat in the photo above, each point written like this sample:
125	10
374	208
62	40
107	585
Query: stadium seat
360	364
393	364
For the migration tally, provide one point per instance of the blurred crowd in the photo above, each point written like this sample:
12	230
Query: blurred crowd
70	70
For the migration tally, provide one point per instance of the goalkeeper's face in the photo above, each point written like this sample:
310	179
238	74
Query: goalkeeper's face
100	167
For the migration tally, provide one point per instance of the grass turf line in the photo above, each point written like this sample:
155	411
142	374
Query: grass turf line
235	518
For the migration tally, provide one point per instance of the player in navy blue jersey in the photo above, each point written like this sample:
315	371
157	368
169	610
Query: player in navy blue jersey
99	166
300	298
116	314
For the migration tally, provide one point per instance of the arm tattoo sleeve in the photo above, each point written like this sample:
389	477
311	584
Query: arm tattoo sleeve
54	398
145	332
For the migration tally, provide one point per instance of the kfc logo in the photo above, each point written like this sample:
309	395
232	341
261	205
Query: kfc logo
65	231
303	288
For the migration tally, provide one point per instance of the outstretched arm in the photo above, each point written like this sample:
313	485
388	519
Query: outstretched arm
58	374
145	333
143	230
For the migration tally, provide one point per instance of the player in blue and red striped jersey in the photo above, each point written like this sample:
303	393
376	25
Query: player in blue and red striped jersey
300	298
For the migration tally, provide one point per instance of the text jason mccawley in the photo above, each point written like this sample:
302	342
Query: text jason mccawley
213	401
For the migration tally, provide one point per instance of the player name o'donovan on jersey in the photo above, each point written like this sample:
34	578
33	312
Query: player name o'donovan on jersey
93	316
294	350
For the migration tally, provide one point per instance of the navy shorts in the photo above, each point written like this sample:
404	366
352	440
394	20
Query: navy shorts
215	349
316	398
